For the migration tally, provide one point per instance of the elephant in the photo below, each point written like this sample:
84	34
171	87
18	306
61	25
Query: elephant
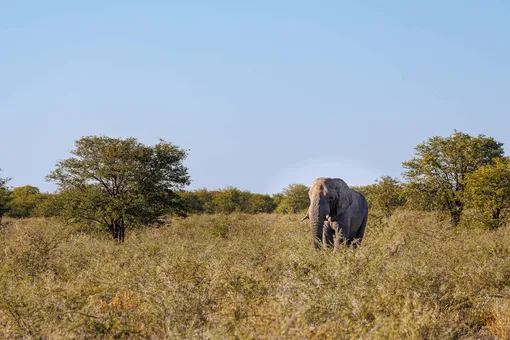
336	209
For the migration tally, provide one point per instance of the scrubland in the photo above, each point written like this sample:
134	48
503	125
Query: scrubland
255	276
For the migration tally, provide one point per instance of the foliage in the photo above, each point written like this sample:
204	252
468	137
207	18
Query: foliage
197	201
227	201
261	203
24	201
51	205
294	199
4	196
488	189
120	182
254	276
384	196
440	166
231	200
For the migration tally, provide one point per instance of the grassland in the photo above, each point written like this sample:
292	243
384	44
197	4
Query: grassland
255	276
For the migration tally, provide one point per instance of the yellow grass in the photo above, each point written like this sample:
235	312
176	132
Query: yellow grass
249	277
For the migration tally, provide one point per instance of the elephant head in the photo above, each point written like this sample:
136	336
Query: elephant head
329	198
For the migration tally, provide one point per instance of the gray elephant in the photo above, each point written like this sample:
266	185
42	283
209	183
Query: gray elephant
336	209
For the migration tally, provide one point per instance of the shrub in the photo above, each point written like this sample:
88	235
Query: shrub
294	199
24	201
488	190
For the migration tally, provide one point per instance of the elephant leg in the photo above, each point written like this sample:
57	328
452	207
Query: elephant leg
341	227
361	232
327	235
344	228
336	233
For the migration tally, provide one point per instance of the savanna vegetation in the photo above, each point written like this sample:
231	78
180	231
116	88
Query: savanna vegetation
121	250
254	276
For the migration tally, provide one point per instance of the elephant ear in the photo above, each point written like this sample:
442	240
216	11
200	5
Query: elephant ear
344	197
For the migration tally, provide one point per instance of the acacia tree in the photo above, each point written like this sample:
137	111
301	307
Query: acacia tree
441	164
488	189
4	196
120	182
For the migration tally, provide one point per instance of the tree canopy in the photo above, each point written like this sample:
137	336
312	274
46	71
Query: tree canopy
294	199
441	164
121	182
226	201
488	189
384	196
24	201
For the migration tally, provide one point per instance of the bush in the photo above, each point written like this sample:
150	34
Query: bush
488	190
294	199
384	196
24	201
226	201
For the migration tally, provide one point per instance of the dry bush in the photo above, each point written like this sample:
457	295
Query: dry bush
240	276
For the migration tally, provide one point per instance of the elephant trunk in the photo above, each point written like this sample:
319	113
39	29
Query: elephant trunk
316	223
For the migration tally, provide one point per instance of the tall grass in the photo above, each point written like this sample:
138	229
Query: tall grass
258	276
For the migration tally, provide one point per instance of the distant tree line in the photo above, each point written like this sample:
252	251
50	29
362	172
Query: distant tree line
293	199
118	183
28	201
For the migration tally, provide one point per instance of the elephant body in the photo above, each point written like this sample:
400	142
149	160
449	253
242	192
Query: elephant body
337	213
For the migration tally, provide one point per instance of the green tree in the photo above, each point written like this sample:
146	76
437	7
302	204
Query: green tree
227	200
441	164
121	182
4	196
294	199
277	198
50	205
24	201
488	189
261	203
385	196
231	200
199	201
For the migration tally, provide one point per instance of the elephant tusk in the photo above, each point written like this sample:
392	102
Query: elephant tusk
328	217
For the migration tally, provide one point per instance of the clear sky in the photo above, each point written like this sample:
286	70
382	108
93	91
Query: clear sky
263	93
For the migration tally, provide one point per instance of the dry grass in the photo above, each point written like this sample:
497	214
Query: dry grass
254	277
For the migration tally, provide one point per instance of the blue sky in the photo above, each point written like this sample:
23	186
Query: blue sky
263	93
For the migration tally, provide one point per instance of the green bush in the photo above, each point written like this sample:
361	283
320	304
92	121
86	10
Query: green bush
226	201
384	197
488	190
294	199
24	201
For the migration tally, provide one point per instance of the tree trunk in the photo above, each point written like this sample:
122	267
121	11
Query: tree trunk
456	212
496	213
122	231
118	230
